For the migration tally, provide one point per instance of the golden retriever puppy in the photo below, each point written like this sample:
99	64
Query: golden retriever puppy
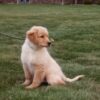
38	65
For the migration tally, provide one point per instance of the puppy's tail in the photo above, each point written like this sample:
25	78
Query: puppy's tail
69	80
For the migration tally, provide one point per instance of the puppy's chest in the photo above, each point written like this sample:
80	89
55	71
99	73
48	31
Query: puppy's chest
32	57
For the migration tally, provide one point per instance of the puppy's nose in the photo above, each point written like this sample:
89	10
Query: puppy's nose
49	43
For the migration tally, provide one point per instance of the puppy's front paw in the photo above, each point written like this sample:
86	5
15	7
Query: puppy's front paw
27	82
29	87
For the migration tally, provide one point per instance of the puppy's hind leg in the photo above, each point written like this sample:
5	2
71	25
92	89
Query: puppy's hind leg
55	80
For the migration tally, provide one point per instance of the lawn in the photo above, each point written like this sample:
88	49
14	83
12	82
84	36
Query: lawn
76	31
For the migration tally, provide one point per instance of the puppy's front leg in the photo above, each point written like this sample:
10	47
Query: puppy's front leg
27	76
39	76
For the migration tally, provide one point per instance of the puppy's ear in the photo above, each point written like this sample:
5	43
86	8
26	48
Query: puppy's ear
29	33
32	34
32	31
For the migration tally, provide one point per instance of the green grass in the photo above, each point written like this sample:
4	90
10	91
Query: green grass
76	31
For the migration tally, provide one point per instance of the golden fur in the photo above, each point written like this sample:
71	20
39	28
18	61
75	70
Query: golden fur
38	65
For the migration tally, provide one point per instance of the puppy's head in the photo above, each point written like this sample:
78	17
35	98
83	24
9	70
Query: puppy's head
38	35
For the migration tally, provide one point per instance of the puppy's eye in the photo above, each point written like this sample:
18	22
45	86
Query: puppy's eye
42	36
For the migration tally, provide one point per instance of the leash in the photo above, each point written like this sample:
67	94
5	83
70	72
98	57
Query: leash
10	36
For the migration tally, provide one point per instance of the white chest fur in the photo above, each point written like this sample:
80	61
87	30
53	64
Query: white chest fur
30	55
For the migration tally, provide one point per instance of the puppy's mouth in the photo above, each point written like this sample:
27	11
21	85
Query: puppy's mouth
48	44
